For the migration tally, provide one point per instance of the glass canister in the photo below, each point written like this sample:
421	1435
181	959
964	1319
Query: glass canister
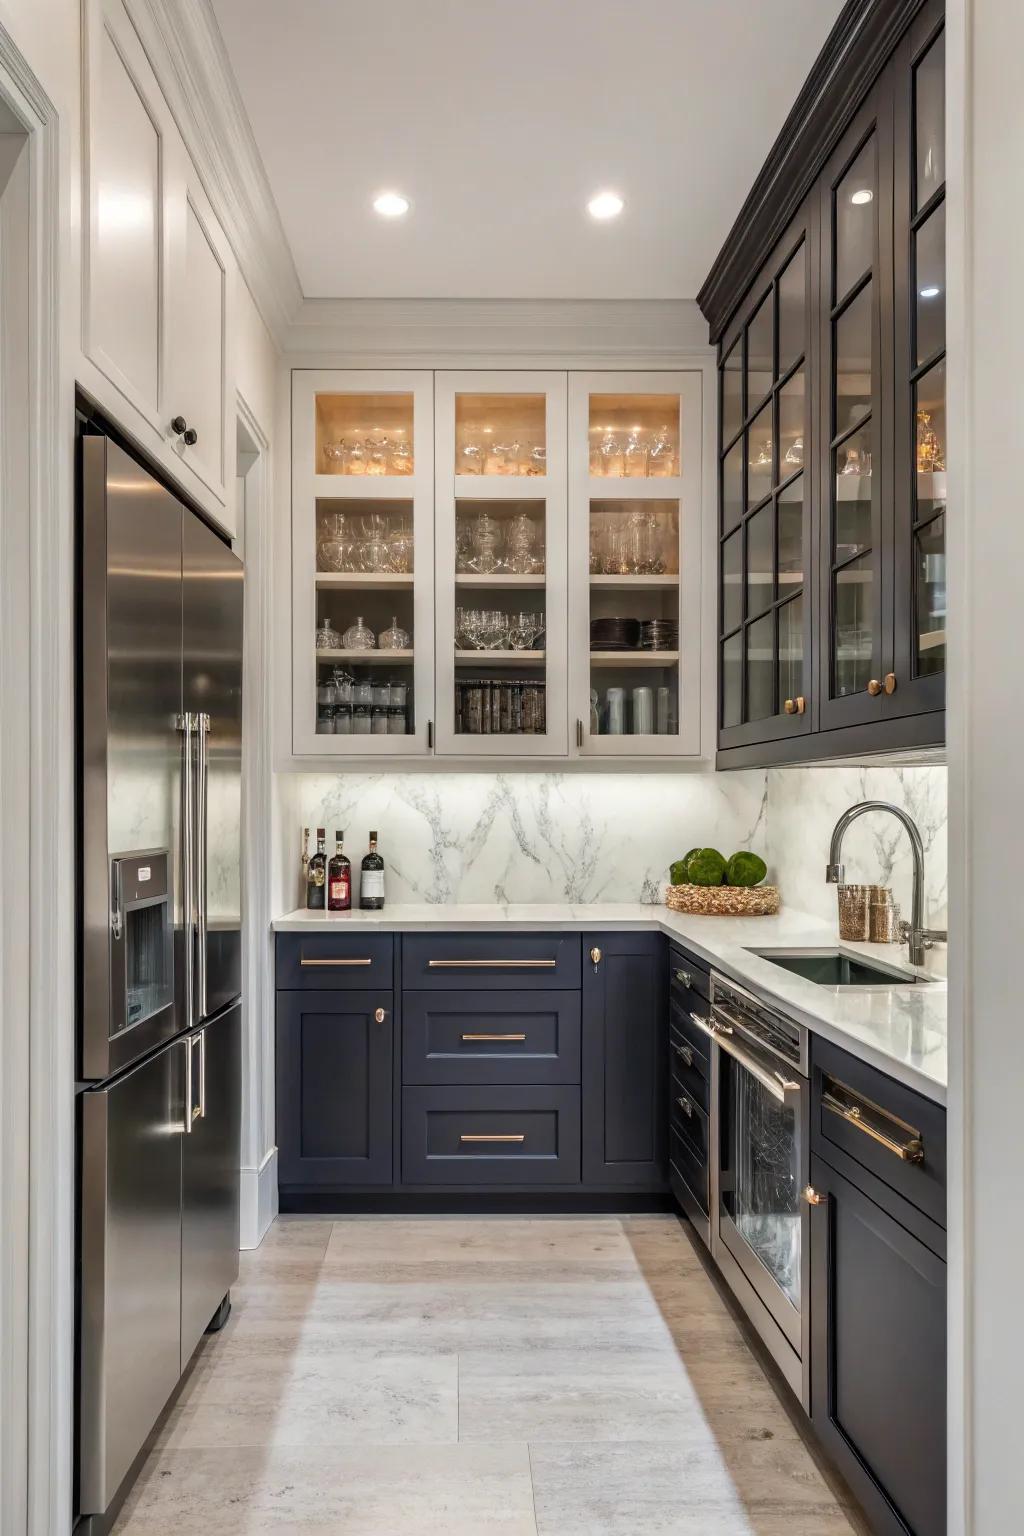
398	724
327	637
358	637
334	546
326	698
343	703
379	709
362	707
395	638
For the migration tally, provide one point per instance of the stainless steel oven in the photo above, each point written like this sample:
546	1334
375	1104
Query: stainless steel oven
760	1166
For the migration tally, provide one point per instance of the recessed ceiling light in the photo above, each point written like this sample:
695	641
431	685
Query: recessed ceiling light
391	205
605	205
861	196
930	293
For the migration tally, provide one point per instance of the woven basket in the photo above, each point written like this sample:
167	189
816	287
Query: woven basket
724	900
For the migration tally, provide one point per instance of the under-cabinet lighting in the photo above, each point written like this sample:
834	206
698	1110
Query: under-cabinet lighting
605	205
391	205
861	196
930	293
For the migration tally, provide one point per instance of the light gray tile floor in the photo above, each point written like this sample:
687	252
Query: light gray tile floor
468	1376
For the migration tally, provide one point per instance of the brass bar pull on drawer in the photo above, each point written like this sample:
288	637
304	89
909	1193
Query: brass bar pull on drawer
813	1197
307	962
909	1150
508	965
492	1138
492	1037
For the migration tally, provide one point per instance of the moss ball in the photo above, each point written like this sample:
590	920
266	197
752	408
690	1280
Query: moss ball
745	869
706	866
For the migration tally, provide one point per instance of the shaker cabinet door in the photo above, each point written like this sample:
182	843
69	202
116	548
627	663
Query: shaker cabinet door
878	1358
334	1088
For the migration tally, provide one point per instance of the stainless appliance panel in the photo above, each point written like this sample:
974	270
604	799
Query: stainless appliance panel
131	698
210	1158
212	689
130	1266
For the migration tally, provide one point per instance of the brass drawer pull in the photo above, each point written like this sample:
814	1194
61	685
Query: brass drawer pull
911	1150
685	1106
685	1052
493	1037
812	1196
492	1138
306	962
509	965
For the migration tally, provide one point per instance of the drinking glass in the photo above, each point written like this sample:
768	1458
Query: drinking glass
376	455
401	457
521	629
334	547
486	536
400	548
661	458
355	458
537	464
610	456
335	454
373	549
635	456
471	458
520	538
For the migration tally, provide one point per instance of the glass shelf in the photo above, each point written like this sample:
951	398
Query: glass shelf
364	434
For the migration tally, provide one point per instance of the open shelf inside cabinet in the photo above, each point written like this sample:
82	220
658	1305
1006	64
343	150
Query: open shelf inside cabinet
364	434
365	540
500	435
633	436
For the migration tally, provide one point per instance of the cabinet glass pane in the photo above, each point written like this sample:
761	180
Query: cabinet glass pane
732	393
760	457
930	121
761	668
854	355
634	436
930	577
367	434
852	476
930	284
760	353
634	538
732	679
365	643
855	200
791	535
732	582
792	424
500	435
854	621
791	650
930	442
792	312
760	561
500	659
732	486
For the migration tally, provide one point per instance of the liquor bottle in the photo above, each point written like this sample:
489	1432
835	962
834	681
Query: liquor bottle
371	884
339	878
317	873
305	860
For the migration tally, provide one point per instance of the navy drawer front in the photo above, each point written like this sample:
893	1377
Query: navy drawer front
490	1037
687	972
323	961
470	961
881	1104
691	1169
491	1136
689	1119
688	1062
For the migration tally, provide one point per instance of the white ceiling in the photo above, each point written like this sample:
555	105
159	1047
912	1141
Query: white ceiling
499	119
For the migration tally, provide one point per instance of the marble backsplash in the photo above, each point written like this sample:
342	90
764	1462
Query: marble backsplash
610	837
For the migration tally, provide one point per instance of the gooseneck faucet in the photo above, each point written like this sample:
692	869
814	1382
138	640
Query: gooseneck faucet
914	934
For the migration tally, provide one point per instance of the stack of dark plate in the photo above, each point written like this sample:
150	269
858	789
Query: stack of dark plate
614	634
659	635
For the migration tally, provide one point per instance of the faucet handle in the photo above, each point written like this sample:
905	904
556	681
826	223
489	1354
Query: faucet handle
835	874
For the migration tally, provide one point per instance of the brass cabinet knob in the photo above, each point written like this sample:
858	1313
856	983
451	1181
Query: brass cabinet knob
595	955
790	706
874	687
812	1196
795	706
379	1015
890	682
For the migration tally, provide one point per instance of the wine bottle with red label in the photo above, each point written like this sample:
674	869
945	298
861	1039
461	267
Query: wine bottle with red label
339	878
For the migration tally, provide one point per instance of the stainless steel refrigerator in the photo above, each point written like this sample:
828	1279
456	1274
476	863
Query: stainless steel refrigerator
160	737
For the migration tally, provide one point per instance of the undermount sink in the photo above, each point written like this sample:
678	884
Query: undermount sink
835	968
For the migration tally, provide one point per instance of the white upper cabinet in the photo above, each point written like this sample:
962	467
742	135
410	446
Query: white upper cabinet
156	275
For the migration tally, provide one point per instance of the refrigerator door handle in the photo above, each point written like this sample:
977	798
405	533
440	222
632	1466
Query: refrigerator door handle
203	738
190	1113
186	724
202	1075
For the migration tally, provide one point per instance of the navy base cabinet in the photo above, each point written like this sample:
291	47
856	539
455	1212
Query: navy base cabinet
334	1088
625	1136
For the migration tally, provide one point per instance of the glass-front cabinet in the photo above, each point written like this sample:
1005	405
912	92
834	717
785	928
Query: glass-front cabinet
500	471
634	557
766	468
362	563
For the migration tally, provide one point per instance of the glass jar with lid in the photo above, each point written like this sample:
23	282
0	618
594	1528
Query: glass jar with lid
326	703
327	637
343	702
395	638
398	724
379	711
362	705
358	637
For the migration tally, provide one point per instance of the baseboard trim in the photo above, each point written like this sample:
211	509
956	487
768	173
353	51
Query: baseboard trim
258	1201
496	1203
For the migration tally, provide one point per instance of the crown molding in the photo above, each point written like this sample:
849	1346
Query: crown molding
188	56
499	332
855	50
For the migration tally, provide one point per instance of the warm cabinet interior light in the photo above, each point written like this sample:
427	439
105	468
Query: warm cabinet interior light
391	204
605	205
861	196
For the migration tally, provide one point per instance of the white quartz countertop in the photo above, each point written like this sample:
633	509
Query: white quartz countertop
901	1030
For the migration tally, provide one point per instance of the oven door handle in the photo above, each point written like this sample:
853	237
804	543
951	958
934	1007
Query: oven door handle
782	1089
